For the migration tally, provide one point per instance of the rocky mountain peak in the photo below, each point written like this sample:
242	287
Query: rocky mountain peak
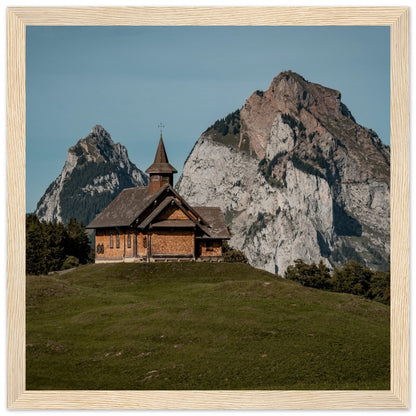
317	123
96	171
296	176
97	147
291	92
100	131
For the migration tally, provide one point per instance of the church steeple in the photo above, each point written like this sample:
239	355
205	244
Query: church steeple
160	171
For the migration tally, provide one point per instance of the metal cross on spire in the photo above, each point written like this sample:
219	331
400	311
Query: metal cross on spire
161	126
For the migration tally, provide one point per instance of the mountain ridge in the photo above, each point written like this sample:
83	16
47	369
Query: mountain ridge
296	177
96	170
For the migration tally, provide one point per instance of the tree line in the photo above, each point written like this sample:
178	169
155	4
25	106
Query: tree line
52	246
352	277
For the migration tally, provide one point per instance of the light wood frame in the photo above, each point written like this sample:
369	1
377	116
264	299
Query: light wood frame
398	395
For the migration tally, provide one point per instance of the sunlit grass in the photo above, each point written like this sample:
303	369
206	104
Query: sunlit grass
199	326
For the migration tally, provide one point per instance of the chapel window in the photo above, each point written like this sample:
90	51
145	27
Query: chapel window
111	241
118	240
129	240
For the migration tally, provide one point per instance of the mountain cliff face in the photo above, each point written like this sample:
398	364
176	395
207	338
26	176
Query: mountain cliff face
296	177
95	172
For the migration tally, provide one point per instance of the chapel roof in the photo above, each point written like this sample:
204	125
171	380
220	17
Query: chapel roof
131	203
215	218
173	224
125	208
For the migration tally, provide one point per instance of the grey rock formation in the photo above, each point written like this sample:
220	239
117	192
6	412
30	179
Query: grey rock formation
95	172
296	177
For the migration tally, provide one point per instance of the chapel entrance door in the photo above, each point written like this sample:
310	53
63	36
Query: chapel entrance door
134	245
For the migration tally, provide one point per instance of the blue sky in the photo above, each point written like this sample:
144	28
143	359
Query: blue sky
128	79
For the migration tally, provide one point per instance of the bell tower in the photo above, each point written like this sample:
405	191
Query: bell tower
161	171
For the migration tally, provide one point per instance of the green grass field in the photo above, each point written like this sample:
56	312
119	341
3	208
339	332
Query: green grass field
199	326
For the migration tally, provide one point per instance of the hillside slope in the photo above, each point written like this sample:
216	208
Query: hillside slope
297	178
199	326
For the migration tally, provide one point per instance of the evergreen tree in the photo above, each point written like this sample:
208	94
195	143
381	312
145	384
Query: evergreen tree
380	287
309	274
78	243
49	245
352	278
35	246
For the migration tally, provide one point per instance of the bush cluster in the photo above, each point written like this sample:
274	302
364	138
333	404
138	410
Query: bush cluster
228	125
231	255
300	164
52	246
352	277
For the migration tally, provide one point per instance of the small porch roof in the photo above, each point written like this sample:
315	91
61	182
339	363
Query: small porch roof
173	224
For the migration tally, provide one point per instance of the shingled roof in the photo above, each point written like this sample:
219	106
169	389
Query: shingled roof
161	163
214	217
125	208
173	224
132	202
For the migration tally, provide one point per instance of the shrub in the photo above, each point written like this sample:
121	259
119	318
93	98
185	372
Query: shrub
231	255
380	287
70	262
298	163
352	277
289	120
310	275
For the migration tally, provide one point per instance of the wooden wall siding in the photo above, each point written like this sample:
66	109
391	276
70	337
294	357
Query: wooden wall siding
103	237
155	185
172	213
211	248
189	212
141	245
176	242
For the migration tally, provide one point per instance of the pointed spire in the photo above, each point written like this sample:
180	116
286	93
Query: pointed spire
161	156
161	163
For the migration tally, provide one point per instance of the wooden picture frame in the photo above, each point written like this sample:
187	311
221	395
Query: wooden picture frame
398	395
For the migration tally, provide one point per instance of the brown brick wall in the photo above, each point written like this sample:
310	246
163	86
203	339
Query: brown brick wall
103	237
172	213
210	248
175	242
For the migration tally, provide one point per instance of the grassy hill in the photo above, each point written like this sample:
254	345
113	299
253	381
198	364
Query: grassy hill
199	326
